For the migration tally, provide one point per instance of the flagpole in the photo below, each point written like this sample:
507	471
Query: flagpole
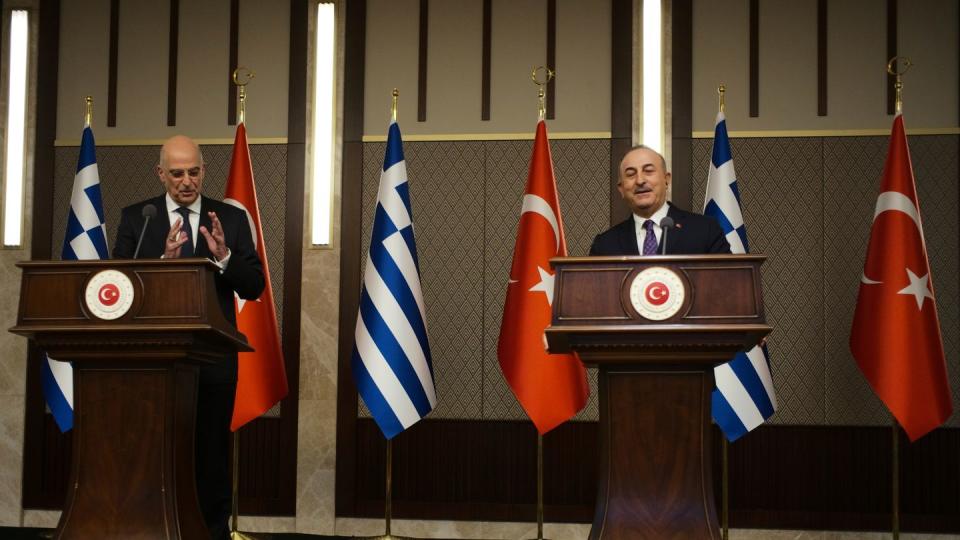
895	442
724	444
235	533
88	112
895	480
542	112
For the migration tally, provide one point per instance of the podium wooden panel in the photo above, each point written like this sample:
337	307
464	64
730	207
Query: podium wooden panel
655	379
135	390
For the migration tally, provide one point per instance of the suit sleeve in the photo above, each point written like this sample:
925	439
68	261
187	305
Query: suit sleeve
126	241
717	243
595	247
244	274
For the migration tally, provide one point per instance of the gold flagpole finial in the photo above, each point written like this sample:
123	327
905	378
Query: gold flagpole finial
393	105
722	90
541	93
898	85
242	94
88	112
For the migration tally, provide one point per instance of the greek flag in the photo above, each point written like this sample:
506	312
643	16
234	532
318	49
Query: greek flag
391	360
86	238
744	397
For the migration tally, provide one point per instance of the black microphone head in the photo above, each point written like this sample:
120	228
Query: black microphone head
149	211
666	222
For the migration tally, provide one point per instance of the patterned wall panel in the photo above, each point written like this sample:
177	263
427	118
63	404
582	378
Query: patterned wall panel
127	176
466	198
782	204
851	182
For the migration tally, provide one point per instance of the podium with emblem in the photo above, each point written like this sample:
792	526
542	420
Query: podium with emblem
135	332
655	327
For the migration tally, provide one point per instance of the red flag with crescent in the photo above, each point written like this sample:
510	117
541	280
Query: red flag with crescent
261	377
551	388
896	337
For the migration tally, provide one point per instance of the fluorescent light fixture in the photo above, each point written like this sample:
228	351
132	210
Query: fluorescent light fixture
16	128
652	76
323	77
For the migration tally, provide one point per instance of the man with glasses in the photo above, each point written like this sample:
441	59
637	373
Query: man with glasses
190	225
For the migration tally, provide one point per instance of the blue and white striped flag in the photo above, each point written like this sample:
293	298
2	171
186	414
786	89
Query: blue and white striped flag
86	238
744	397
391	360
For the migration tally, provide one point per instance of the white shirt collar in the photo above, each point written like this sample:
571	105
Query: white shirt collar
656	217
172	205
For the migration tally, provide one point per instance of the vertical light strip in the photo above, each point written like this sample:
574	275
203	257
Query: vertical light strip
16	126
323	77
652	132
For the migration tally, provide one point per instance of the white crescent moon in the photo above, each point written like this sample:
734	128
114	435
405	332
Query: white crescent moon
894	201
654	291
537	205
104	295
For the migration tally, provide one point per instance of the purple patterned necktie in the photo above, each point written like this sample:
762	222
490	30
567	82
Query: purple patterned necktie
186	250
649	239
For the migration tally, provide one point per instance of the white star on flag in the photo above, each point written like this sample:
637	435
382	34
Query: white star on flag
918	288
545	285
241	302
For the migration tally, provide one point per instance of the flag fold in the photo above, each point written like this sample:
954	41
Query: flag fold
391	361
744	396
551	388
896	338
85	239
261	377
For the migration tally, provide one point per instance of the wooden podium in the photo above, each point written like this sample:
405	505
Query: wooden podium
656	326
135	331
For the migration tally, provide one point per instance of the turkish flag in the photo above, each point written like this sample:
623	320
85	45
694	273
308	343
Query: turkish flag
896	332
551	388
261	378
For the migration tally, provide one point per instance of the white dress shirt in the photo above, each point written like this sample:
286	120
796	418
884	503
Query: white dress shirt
194	224
657	229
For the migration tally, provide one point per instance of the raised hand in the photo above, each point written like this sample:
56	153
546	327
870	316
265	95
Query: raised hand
175	239
215	240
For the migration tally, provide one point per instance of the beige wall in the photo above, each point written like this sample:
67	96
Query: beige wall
856	78
142	64
454	61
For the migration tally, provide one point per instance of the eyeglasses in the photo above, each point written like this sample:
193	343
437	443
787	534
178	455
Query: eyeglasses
180	173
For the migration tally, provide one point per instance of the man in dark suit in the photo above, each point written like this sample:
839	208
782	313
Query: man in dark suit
201	227
643	182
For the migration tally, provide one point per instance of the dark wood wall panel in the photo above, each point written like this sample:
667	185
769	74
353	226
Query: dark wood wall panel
821	57
350	205
112	68
234	46
754	58
621	99
485	60
551	57
781	477
424	40
682	103
891	52
172	62
46	451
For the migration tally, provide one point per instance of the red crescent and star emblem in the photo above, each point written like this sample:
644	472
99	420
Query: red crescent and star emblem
657	293
109	294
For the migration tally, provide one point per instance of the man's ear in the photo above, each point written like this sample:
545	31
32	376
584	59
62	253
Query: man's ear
668	176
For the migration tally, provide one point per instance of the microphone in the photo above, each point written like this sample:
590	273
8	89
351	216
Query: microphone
665	225
149	211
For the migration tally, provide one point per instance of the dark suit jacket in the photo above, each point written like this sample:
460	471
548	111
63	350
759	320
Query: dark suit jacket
244	273
692	234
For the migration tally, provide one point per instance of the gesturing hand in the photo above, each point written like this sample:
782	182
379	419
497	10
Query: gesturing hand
175	239
215	240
